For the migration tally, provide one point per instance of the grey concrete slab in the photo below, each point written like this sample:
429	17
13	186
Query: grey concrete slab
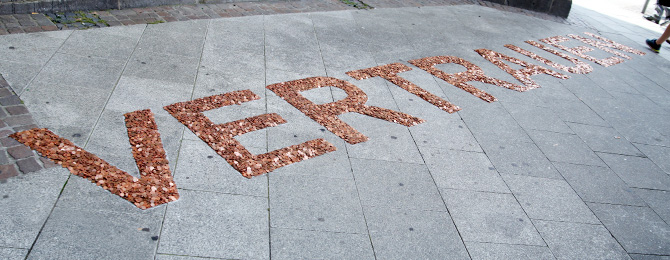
134	93
657	154
200	168
649	257
490	217
388	141
658	200
38	190
19	74
491	122
637	172
385	39
604	139
549	199
184	38
110	43
413	234
342	45
507	251
13	253
291	44
179	257
238	228
536	118
559	147
95	234
640	103
392	185
520	158
608	80
463	170
162	66
306	244
70	114
580	241
321	204
598	184
585	88
238	34
34	48
65	70
577	112
637	229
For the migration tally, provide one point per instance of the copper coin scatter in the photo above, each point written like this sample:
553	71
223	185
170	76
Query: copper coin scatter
390	73
155	186
579	68
220	136
607	45
580	50
326	114
460	79
522	75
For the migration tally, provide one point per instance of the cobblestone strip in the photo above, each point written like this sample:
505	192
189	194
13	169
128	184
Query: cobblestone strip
24	23
16	158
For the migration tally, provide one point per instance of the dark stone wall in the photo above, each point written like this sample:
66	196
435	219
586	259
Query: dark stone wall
555	7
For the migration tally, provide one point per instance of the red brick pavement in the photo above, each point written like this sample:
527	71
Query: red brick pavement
24	23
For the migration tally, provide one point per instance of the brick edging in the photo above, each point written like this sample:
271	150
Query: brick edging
16	158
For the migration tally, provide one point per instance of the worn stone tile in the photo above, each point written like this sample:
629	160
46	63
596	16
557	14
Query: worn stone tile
559	147
413	234
536	118
520	158
491	122
111	43
637	172
549	199
306	244
463	170
238	228
507	251
291	44
604	139
13	253
200	168
598	184
95	234
649	257
178	257
577	112
490	217
637	229
39	190
657	154
162	66
136	93
579	241
315	203
392	185
182	38
19	74
75	70
658	200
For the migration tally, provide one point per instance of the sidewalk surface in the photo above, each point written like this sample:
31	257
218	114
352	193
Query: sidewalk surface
575	169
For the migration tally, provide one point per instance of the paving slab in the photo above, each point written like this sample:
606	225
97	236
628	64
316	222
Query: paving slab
580	241
549	199
293	243
239	231
598	184
490	217
638	229
413	234
41	191
574	169
508	251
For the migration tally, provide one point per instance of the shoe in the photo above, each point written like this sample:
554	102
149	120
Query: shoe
668	41
652	44
653	18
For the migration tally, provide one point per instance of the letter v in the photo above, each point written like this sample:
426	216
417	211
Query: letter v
155	186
